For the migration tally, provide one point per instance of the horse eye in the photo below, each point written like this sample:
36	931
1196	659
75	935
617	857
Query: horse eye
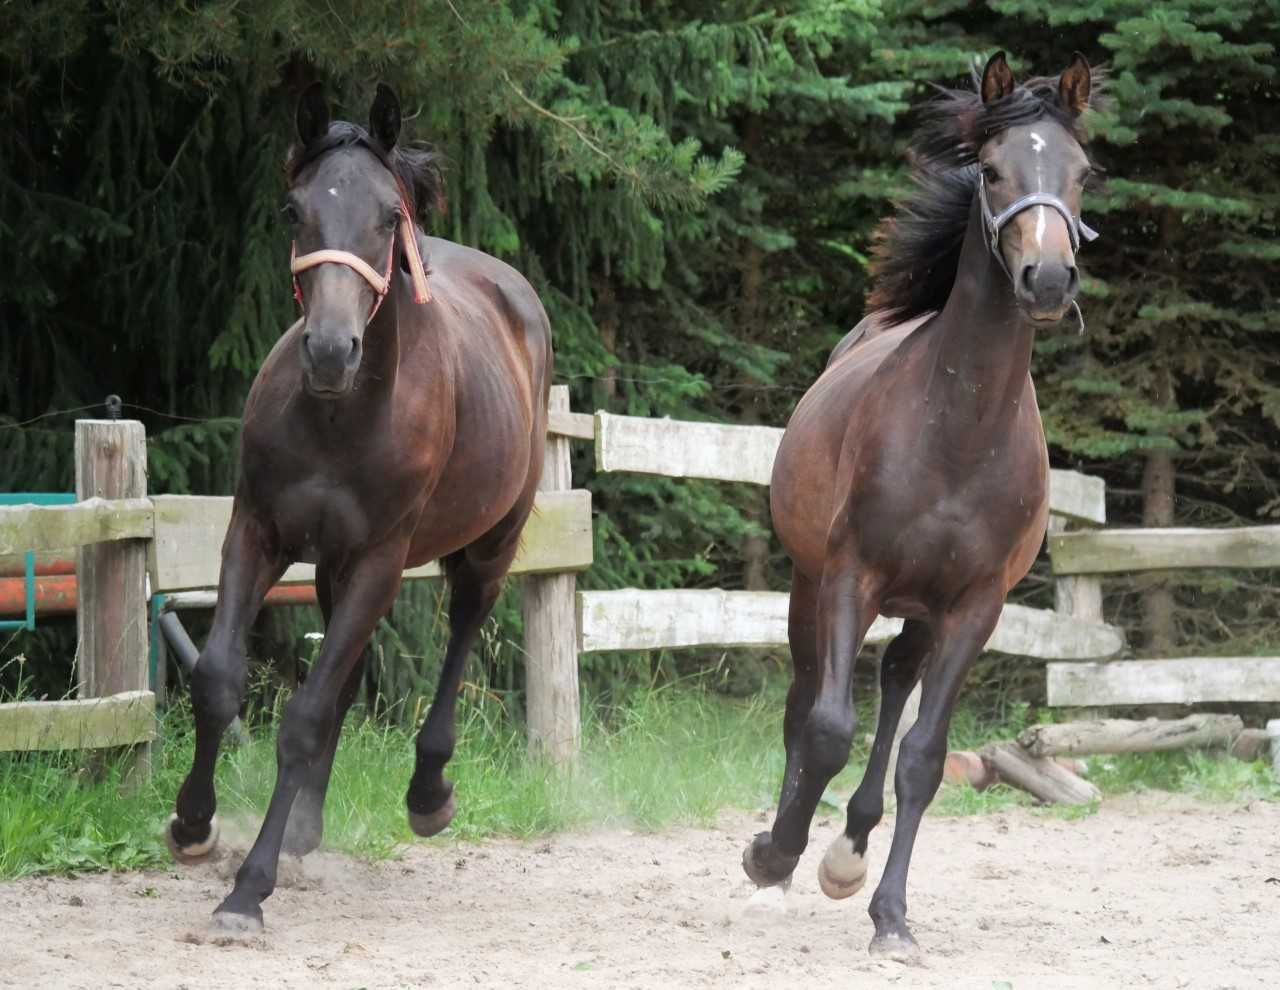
990	175
291	215
391	220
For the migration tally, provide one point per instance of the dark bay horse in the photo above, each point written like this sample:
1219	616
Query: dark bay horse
399	421
912	480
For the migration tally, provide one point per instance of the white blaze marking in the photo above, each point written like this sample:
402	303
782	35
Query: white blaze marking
1040	212
332	191
1037	143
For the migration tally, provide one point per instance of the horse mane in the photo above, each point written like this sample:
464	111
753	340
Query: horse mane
916	251
416	168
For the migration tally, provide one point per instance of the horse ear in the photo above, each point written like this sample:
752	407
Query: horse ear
384	117
313	114
997	79
1075	85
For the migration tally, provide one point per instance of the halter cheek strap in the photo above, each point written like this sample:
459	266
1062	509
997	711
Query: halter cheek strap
380	283
996	222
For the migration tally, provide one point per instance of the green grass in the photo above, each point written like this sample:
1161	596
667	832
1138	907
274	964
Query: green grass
666	756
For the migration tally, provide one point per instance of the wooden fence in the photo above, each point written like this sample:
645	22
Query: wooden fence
1184	680
128	538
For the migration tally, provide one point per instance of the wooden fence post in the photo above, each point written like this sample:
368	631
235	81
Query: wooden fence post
551	629
1079	597
111	619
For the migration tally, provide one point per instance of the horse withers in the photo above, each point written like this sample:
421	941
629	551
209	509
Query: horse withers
912	480
401	420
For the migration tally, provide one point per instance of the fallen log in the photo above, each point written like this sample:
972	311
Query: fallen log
1121	735
1039	776
1251	744
965	767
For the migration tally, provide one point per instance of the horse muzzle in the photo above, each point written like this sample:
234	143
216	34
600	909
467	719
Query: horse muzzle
330	360
1045	291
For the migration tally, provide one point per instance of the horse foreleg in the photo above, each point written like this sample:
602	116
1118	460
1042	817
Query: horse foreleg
960	635
306	819
820	746
844	867
310	719
249	569
473	591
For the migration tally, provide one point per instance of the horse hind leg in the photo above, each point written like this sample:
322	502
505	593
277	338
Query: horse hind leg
473	591
843	869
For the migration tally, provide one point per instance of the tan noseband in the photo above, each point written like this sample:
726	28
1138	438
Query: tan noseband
379	283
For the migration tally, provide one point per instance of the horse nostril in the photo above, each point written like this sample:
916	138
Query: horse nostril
1028	273
1073	278
355	347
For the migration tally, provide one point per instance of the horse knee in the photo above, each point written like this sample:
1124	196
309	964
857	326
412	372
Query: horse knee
920	760
217	687
304	731
827	739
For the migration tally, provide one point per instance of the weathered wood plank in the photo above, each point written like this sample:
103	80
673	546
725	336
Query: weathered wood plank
1040	777
682	449
550	631
1116	551
561	422
63	527
1185	681
186	553
725	452
1122	735
124	719
632	619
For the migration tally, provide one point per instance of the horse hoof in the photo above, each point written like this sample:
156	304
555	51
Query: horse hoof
193	853
764	865
234	923
843	869
896	948
434	822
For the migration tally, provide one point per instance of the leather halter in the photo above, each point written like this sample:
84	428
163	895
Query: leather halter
993	223
380	283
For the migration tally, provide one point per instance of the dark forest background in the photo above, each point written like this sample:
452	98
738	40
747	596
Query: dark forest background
693	189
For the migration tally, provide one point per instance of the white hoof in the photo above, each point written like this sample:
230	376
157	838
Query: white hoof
843	870
768	900
197	852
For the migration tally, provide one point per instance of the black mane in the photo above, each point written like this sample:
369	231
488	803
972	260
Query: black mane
917	250
417	169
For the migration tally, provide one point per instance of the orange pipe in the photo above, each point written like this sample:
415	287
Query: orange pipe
56	595
47	564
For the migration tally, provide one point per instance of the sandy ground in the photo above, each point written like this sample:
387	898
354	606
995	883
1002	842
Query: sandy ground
1157	892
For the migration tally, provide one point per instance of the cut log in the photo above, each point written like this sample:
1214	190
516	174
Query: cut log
1042	778
1251	744
966	767
1122	735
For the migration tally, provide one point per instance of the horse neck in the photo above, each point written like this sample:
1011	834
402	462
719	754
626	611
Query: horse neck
981	345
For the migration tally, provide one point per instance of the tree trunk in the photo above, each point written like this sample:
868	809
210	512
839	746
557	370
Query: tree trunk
1158	511
606	319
